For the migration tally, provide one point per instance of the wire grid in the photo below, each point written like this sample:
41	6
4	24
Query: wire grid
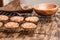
41	29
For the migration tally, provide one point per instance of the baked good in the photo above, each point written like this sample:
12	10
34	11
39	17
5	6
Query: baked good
11	25
32	19
17	19
3	17
28	26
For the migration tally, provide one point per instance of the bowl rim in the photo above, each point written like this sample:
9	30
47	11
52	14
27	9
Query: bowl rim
34	7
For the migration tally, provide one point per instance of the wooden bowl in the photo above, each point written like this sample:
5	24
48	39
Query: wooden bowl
26	8
46	9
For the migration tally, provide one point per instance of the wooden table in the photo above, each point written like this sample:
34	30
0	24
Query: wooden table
44	31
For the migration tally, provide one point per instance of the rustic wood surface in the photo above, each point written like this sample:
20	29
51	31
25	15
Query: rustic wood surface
44	31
